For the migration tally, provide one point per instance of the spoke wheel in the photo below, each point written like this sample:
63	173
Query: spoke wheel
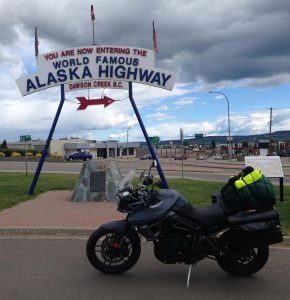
112	252
241	262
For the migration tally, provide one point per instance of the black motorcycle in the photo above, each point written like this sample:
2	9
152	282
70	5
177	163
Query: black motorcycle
182	233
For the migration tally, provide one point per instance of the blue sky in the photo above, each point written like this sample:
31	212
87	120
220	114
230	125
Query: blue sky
240	49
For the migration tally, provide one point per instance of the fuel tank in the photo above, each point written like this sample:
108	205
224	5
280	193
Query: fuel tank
168	200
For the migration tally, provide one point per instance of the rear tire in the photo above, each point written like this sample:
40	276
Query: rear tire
111	252
238	261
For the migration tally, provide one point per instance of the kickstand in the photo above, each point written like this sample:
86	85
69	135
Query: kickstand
188	276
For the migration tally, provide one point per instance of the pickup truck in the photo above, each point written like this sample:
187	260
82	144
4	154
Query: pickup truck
78	156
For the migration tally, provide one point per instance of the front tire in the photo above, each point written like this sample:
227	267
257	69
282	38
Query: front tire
239	261
111	252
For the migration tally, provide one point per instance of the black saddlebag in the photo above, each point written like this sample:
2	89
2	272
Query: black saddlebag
256	228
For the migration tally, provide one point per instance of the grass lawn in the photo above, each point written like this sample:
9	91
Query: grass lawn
14	189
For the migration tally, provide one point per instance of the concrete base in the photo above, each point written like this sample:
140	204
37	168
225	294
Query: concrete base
98	181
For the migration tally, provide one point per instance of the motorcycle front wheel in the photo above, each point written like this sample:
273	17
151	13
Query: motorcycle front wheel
239	261
111	252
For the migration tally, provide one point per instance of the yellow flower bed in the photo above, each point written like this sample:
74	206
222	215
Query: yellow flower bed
2	154
15	154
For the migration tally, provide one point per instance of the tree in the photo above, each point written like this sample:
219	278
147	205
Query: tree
245	144
213	144
3	145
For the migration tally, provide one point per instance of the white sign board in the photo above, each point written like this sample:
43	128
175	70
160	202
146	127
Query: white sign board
96	84
111	63
270	166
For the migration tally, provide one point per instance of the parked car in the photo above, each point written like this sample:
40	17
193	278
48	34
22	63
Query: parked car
146	156
78	156
180	157
217	157
201	157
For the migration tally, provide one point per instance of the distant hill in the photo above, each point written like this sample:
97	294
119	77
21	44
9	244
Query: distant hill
222	139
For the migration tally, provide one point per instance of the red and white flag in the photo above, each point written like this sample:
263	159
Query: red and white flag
92	13
156	49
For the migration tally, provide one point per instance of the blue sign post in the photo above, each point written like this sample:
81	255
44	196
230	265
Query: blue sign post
45	150
152	152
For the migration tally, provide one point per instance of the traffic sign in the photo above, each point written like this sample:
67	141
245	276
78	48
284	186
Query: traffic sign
154	139
199	135
25	138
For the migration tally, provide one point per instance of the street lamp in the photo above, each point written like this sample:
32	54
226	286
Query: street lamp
229	123
128	138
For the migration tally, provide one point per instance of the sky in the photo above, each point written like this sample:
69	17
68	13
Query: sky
239	48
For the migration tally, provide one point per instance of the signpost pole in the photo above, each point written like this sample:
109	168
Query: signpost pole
281	190
152	152
26	165
45	150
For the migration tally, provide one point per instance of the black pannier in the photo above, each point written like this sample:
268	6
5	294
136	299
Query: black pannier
256	229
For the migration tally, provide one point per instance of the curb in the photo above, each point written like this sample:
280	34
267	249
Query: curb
22	231
58	232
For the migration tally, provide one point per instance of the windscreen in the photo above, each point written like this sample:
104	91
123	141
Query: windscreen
126	181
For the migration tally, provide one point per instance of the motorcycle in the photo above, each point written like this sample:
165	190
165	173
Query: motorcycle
181	233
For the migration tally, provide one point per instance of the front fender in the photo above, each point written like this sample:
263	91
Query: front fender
118	226
122	227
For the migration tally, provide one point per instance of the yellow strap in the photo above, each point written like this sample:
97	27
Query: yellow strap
248	179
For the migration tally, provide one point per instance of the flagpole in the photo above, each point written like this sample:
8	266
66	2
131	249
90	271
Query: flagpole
36	43
94	43
93	21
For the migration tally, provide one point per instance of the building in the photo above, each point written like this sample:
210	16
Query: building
98	149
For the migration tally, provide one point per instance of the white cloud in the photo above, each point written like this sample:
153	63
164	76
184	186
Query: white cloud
186	101
163	108
159	116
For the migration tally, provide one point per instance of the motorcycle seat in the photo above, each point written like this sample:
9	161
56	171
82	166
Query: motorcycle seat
205	216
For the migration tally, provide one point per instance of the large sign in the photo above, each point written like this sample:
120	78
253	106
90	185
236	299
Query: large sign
270	166
25	138
98	62
154	139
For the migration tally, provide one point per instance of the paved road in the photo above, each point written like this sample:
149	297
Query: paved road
58	269
205	170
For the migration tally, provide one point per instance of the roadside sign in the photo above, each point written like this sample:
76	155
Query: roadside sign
154	139
229	138
25	138
270	166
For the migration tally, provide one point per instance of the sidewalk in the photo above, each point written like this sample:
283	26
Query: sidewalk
53	212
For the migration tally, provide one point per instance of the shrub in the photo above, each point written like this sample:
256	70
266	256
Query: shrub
29	153
2	154
15	154
7	151
37	155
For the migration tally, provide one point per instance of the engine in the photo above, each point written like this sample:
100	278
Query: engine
173	245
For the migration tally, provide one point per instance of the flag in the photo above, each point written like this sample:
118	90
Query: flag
155	40
36	42
92	13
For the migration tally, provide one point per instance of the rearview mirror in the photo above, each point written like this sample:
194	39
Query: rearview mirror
160	184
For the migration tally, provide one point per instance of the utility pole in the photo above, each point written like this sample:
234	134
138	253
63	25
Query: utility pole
270	133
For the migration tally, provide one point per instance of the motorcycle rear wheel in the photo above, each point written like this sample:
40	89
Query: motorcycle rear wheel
242	262
111	252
